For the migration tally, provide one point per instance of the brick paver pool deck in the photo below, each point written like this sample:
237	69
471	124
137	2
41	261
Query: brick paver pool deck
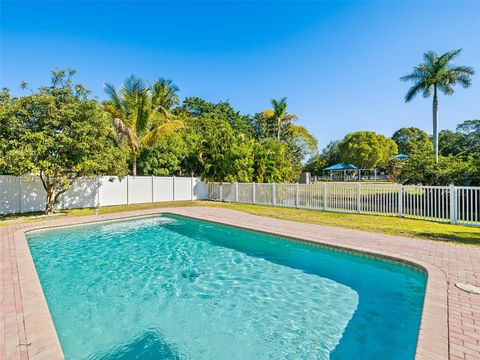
450	327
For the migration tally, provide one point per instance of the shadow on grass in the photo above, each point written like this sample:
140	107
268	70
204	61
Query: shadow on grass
464	238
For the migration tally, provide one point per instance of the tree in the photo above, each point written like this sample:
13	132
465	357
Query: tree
225	155
280	116
195	107
331	153
302	143
470	129
59	134
164	96
141	114
165	157
367	149
315	165
437	73
412	140
450	170
452	143
272	163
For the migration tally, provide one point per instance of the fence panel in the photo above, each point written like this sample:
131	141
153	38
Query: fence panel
310	196
468	205
183	188
160	187
285	195
435	203
139	189
246	193
264	194
26	194
113	191
83	194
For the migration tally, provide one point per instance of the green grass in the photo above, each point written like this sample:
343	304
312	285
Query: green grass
458	234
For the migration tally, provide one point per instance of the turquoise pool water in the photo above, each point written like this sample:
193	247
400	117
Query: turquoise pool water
168	287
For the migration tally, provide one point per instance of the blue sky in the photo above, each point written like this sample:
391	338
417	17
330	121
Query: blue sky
338	63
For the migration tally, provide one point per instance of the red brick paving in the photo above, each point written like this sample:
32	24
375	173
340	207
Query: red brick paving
450	322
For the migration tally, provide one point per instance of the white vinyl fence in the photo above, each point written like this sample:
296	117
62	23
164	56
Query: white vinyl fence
26	193
448	204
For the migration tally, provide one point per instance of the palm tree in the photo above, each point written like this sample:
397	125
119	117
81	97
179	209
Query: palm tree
164	95
280	114
141	114
437	73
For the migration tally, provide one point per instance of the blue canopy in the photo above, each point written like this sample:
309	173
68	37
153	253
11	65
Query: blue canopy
341	166
401	156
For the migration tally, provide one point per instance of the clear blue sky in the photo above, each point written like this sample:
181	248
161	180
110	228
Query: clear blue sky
338	63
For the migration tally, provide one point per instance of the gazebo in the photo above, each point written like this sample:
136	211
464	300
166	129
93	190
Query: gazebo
341	167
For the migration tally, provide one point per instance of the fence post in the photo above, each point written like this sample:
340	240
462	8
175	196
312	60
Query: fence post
99	185
274	195
221	192
400	200
173	188
236	192
325	196
296	195
20	190
153	198
128	191
358	197
253	192
191	187
453	204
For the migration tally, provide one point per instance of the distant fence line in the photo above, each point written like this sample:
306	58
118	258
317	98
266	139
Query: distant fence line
21	194
447	204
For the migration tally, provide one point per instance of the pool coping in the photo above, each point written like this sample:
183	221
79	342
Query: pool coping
41	338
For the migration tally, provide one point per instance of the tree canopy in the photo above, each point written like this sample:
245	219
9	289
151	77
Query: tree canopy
141	114
366	149
58	133
412	141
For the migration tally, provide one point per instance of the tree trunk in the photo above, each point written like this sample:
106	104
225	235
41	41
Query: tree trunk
50	200
134	165
435	123
278	129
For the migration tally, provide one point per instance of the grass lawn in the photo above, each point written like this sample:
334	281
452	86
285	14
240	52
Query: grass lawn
379	224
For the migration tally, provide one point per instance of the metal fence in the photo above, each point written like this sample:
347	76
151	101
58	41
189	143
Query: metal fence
447	204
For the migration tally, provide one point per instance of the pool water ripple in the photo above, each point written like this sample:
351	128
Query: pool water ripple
169	287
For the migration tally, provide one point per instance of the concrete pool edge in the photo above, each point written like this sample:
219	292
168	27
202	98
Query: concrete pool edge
41	338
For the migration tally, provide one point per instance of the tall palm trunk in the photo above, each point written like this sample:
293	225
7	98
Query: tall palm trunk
134	165
278	128
435	123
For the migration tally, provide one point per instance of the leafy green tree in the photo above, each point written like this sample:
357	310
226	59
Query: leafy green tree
367	149
165	157
271	162
470	129
141	114
437	73
412	140
316	165
195	107
450	170
452	143
331	153
225	155
302	143
60	134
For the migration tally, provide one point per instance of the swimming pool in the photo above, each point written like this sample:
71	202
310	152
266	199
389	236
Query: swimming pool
176	288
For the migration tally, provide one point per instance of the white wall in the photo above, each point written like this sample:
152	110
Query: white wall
26	194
